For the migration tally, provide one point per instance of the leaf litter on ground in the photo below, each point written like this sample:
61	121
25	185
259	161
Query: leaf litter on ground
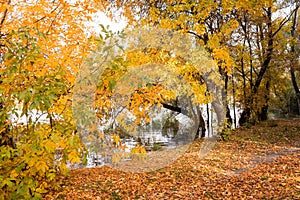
260	162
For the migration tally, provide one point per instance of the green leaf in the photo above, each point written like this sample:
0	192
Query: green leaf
22	95
32	106
112	84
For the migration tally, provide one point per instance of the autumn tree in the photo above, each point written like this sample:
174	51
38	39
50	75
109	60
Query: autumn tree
245	31
148	93
261	33
211	22
42	47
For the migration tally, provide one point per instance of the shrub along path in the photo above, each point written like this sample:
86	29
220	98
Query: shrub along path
259	162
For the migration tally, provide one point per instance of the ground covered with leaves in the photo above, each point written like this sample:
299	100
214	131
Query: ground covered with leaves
258	162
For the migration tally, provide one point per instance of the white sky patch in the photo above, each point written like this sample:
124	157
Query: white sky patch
283	12
101	18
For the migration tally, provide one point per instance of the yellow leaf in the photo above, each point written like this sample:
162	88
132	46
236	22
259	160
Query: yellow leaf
41	166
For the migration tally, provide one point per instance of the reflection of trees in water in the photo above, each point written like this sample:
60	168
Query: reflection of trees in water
170	127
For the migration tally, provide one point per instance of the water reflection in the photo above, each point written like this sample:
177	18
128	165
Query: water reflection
168	130
159	135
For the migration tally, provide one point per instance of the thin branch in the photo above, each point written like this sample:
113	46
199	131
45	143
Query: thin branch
54	20
42	18
285	20
4	16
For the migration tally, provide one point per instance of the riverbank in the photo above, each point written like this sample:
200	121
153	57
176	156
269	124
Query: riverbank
258	162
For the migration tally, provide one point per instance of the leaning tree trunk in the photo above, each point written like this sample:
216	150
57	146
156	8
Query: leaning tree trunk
296	88
191	113
293	51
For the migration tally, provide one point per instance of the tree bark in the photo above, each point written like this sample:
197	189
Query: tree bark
228	116
217	102
200	132
263	115
200	129
293	51
295	86
269	52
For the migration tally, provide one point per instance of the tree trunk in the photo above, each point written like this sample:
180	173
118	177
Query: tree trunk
246	114
269	53
263	115
228	116
217	102
295	86
293	51
234	102
201	126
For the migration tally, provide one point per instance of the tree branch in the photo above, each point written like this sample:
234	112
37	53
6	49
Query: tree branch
4	15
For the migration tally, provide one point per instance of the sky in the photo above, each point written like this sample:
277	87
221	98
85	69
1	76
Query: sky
114	25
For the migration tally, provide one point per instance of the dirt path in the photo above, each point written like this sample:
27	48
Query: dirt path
268	158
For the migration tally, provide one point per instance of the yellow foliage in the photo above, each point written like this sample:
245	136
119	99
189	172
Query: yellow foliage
116	140
139	153
143	95
42	48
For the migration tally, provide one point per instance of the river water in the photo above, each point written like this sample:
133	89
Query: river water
155	134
